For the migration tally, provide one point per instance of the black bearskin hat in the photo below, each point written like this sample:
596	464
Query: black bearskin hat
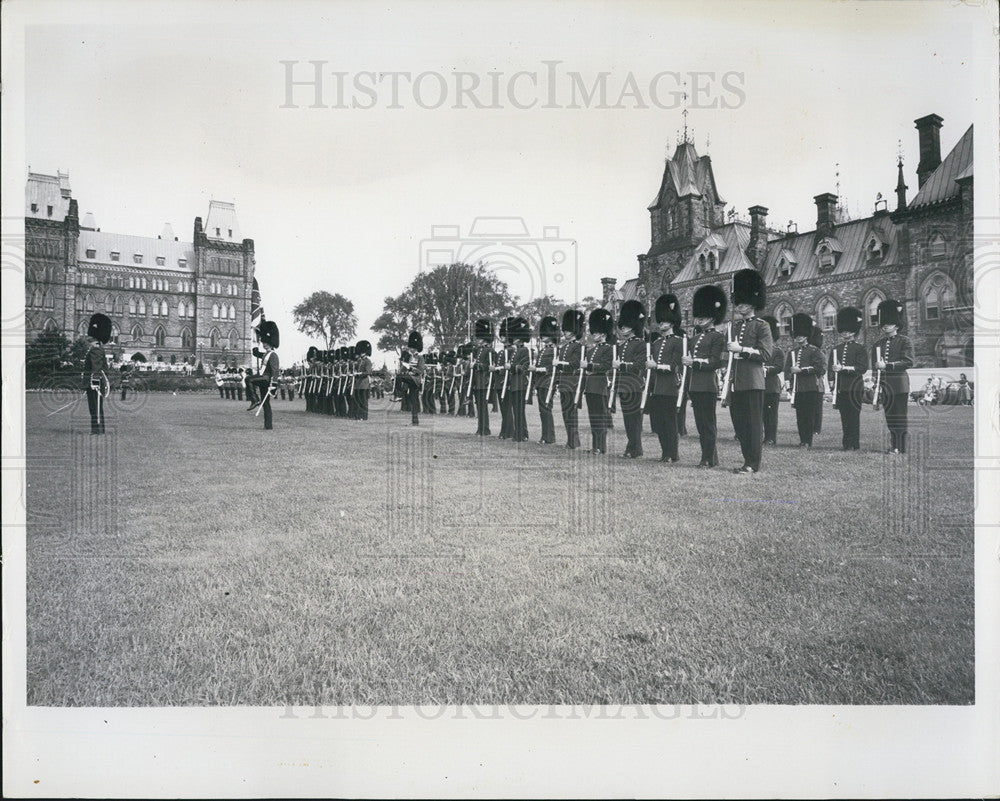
710	301
572	322
816	337
600	322
100	328
519	330
484	330
632	315
548	327
465	350
850	320
311	353
748	287
363	348
351	352
269	333
415	342
773	324
668	310
890	312
802	325
504	332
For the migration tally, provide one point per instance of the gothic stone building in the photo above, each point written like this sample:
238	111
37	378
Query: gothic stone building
169	301
920	253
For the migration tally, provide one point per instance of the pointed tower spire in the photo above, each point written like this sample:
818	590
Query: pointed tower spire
901	186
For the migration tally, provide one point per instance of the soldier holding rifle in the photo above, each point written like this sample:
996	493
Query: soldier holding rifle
892	356
705	356
631	367
848	363
666	362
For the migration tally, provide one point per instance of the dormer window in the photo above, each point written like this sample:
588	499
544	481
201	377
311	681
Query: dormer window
34	208
137	258
182	263
49	210
161	261
875	249
230	233
826	253
115	255
217	232
713	263
826	258
91	253
702	264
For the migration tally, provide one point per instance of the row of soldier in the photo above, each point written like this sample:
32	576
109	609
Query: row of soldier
231	383
660	370
338	382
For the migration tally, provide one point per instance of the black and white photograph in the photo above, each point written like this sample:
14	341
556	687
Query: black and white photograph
501	399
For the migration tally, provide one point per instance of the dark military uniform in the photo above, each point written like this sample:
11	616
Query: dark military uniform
94	365
897	353
517	383
754	334
631	379
849	389
773	369
481	384
707	350
808	385
362	379
570	352
663	393
543	382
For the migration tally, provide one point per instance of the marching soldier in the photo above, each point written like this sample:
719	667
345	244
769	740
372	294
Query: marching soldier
806	366
665	362
631	367
751	348
308	380
349	381
570	367
519	333
892	356
449	361
816	340
598	367
847	364
773	369
363	379
501	378
126	379
270	370
705	356
430	381
411	373
548	336
482	375
95	365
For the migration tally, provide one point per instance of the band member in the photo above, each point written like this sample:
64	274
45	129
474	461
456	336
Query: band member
482	375
847	364
805	367
362	380
570	364
705	356
501	379
95	365
519	333
270	371
892	356
126	372
751	347
631	367
220	382
816	340
548	336
772	385
598	372
411	373
665	364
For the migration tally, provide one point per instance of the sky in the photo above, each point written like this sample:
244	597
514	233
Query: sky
155	109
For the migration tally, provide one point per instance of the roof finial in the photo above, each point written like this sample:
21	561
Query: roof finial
685	115
708	141
837	175
899	152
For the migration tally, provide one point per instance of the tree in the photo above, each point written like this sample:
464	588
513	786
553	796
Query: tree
327	317
441	304
46	354
537	308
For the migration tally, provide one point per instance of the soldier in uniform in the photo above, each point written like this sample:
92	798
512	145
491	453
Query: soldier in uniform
95	365
598	371
847	364
665	362
220	382
806	366
362	381
126	372
751	348
519	333
501	374
482	375
548	336
631	367
569	364
705	356
270	370
430	380
411	371
892	355
816	340
772	385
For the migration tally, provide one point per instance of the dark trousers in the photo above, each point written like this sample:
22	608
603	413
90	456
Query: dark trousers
663	419
570	417
412	391
748	417
682	427
239	392
600	421
449	401
124	391
222	393
96	404
352	405
732	417
849	406
895	419
519	423
806	405
771	401
260	386
632	417
361	402
506	417
703	404
545	415
482	412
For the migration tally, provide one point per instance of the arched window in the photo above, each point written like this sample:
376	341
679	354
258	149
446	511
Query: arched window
36	297
115	333
939	296
711	262
109	304
826	314
142	305
181	309
117	305
234	339
783	314
938	247
88	303
215	311
160	336
232	312
131	305
164	310
701	264
136	333
186	338
213	338
83	327
871	307
50	325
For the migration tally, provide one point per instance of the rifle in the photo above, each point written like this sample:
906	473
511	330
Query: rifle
836	374
795	363
578	397
489	372
506	373
472	368
649	375
531	374
727	381
684	371
614	379
552	383
877	397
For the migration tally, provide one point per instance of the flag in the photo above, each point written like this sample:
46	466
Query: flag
256	309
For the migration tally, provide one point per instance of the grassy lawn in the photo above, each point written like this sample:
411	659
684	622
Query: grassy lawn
190	558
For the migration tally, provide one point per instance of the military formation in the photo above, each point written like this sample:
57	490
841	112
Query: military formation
338	382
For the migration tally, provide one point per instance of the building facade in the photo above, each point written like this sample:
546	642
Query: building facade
920	253
169	301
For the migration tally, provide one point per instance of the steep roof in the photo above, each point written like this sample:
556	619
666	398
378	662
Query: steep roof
731	241
43	191
941	184
686	172
222	217
103	243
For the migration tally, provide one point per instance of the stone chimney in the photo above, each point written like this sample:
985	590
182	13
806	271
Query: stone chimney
608	285
929	128
826	210
757	249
